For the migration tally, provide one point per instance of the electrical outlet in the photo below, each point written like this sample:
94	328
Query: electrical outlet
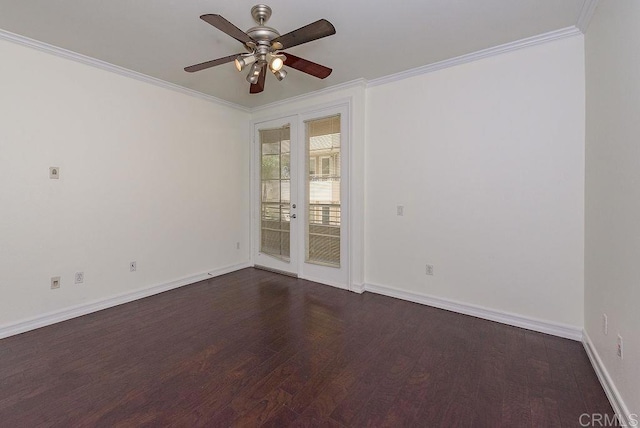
400	210
605	324
54	172
79	277
429	270
133	267
620	350
55	282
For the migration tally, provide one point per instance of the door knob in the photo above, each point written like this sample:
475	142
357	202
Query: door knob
293	216
293	206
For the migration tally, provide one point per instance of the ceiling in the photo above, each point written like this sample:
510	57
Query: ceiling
373	38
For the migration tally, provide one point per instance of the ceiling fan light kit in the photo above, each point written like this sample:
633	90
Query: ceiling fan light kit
254	73
280	74
276	62
264	45
243	60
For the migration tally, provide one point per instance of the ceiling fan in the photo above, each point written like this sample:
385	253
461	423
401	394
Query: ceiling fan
264	45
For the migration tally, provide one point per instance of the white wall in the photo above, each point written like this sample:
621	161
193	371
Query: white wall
147	174
612	243
488	160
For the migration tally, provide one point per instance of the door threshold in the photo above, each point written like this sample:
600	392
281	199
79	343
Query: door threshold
281	272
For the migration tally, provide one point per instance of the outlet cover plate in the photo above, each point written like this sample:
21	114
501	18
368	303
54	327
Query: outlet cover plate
79	277
429	270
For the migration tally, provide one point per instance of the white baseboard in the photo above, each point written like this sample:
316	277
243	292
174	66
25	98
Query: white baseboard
621	409
357	288
98	305
555	329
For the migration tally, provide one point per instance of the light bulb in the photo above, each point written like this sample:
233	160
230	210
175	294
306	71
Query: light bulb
276	64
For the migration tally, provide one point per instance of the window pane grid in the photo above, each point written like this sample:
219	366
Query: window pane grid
275	192
323	191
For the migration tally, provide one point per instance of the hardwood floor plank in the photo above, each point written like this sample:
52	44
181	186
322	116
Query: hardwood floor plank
364	386
490	393
253	348
375	410
516	409
283	417
360	359
263	409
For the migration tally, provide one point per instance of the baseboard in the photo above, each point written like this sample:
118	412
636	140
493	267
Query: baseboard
555	329
621	409
357	288
98	305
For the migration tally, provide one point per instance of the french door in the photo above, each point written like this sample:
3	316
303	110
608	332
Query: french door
301	196
277	195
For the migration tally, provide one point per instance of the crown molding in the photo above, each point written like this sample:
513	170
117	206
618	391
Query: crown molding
339	87
474	56
83	59
586	13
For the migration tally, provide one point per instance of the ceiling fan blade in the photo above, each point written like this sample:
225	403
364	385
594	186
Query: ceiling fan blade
316	30
306	66
259	86
225	26
211	63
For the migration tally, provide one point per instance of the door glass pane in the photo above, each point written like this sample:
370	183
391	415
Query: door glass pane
312	167
323	191
275	182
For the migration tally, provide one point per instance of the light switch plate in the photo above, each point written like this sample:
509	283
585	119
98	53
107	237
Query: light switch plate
55	282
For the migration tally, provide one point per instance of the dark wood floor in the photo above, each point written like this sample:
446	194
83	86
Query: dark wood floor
254	348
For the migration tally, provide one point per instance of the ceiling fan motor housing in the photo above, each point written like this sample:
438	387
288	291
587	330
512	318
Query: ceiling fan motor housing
261	34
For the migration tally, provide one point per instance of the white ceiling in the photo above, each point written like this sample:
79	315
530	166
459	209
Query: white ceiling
373	38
